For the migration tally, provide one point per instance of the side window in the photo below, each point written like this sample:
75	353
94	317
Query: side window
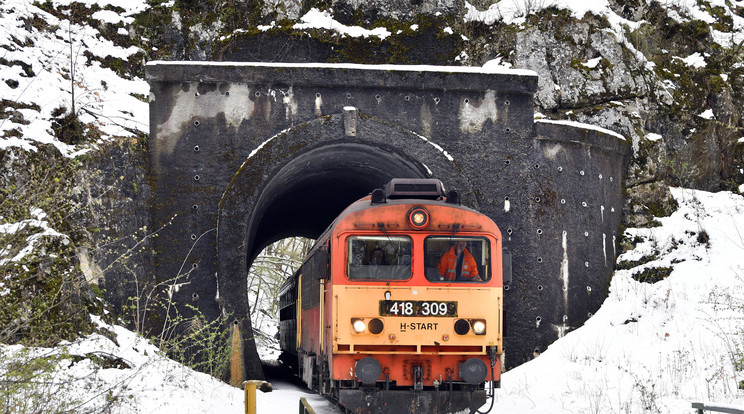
314	269
378	258
457	259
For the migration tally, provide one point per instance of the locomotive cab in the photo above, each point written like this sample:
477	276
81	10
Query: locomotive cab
406	310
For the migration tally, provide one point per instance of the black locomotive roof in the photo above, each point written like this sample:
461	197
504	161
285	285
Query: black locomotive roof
400	192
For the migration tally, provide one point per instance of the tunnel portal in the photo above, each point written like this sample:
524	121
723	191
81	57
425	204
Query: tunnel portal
244	154
304	197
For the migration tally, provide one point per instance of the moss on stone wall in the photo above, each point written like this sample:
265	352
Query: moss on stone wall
47	297
428	44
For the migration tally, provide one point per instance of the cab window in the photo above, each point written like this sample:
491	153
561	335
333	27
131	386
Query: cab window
457	259
378	258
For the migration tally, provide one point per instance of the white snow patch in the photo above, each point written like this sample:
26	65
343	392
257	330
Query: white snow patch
265	27
437	147
492	69
653	136
515	11
707	114
39	228
112	17
316	19
582	126
592	63
695	60
263	144
497	63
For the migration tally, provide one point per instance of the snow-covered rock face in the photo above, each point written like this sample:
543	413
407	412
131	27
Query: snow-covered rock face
48	60
394	9
283	9
654	59
578	66
401	9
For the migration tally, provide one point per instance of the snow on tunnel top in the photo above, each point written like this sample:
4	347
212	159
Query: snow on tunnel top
493	77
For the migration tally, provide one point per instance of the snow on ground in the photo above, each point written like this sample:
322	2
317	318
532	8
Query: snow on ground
137	378
143	382
654	347
38	222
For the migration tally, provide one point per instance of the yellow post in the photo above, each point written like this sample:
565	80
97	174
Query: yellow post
250	396
237	367
305	407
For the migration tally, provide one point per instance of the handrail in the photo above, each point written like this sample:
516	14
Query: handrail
305	407
700	407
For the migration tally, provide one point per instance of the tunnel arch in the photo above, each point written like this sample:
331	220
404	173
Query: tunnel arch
313	188
315	164
296	182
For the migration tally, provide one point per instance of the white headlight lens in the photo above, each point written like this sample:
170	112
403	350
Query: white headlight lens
479	327
418	218
359	325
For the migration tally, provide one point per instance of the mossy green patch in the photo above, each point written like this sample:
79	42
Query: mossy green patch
47	299
652	274
27	69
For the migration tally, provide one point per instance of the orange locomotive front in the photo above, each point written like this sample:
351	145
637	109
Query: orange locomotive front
399	305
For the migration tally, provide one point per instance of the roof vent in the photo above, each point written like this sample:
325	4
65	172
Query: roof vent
423	188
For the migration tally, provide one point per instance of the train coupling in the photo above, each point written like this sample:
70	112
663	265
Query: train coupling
493	354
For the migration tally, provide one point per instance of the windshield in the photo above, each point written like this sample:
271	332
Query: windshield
460	259
378	258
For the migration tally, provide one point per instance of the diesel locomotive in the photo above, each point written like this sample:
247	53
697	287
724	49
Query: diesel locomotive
398	307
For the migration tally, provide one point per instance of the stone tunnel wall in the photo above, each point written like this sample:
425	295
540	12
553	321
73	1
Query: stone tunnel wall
242	155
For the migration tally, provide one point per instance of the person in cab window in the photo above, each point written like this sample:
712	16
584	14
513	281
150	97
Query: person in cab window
458	264
377	257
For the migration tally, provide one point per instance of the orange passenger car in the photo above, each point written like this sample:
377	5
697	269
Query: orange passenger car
398	307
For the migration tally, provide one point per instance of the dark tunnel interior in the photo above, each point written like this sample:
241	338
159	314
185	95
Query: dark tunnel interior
304	197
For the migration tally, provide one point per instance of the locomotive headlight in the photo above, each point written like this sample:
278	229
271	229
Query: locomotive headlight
479	327
358	325
418	218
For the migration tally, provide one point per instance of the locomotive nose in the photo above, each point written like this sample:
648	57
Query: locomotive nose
473	371
368	370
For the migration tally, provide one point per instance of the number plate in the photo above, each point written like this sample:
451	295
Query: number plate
417	308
